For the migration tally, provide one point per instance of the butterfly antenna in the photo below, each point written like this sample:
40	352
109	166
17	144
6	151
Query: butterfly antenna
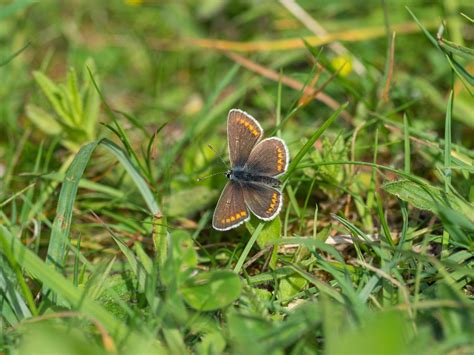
208	176
220	156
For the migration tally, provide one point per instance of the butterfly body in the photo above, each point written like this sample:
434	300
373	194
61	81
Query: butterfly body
253	178
242	176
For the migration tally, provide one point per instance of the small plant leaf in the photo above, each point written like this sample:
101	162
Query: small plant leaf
211	290
74	96
43	120
182	259
455	48
91	99
270	235
54	95
178	204
428	197
375	336
290	286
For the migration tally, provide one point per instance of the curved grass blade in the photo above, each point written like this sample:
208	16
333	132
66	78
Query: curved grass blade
13	307
134	174
303	151
12	56
53	280
62	222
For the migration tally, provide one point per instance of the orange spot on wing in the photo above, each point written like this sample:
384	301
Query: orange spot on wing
252	129
243	213
227	220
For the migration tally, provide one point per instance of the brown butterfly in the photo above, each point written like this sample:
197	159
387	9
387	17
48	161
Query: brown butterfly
253	177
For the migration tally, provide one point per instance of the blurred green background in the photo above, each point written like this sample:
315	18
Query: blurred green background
134	251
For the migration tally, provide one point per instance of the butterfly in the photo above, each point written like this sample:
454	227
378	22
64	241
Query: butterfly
253	177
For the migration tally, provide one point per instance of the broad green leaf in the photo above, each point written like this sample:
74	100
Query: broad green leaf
182	259
246	333
384	333
174	341
270	235
290	286
212	290
211	343
303	320
179	203
183	250
428	197
47	338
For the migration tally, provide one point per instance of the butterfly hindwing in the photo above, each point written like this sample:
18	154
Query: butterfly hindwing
269	158
264	201
231	210
243	132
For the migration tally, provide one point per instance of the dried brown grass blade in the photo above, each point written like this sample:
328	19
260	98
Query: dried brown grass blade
296	43
290	82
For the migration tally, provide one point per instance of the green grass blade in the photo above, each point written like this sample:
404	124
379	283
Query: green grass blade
425	31
11	300
248	247
309	144
62	222
53	280
12	56
134	174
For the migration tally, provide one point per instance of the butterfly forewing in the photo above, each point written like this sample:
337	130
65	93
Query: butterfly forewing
264	201
231	209
243	132
269	157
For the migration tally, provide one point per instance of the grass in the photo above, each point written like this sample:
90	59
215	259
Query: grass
106	114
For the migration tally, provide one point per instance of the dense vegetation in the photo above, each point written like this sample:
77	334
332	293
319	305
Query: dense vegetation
106	113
